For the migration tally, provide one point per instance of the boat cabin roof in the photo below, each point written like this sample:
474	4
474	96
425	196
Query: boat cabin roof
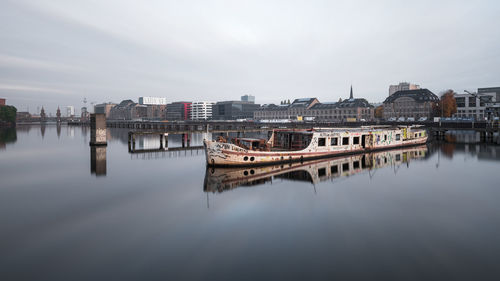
364	129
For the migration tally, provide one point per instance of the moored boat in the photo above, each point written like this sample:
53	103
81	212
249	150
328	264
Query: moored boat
299	145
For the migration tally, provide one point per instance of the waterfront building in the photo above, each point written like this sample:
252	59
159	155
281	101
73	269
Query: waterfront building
410	103
180	110
152	101
490	90
156	111
475	105
2	102
402	86
23	116
201	110
104	108
295	110
346	110
352	109
85	115
70	111
248	98
493	109
128	110
232	110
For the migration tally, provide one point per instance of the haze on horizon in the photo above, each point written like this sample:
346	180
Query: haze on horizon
58	52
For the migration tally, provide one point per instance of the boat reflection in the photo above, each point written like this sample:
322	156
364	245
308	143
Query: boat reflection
313	171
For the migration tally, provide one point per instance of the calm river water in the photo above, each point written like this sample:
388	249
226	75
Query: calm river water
68	212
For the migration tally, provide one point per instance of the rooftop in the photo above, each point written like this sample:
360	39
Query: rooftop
420	95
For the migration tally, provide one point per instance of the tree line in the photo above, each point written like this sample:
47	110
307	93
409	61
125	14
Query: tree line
8	115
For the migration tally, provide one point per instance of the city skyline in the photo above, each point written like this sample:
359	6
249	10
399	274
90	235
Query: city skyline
56	53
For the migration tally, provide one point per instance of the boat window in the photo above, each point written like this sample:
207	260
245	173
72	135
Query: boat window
334	169
385	137
355	140
334	141
321	141
345	141
398	137
322	172
355	165
345	167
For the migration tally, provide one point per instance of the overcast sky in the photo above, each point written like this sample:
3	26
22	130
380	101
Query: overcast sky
57	52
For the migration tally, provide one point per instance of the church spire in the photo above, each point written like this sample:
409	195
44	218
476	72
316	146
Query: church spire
351	96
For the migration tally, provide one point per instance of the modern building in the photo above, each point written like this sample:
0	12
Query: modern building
152	101
70	111
410	103
104	108
402	86
492	110
180	110
478	106
201	110
232	110
495	90
128	110
248	98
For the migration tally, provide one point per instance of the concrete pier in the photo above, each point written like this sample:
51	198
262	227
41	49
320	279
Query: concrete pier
163	139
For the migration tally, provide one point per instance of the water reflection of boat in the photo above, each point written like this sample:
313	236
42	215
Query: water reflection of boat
314	171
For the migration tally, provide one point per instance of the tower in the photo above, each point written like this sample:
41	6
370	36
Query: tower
58	115
42	115
351	96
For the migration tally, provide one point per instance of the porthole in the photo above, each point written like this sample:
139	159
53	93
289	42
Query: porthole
252	172
245	158
252	158
245	173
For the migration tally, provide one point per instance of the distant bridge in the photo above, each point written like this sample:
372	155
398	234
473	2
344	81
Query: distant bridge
181	127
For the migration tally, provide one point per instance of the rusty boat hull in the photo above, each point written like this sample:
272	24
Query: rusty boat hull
323	143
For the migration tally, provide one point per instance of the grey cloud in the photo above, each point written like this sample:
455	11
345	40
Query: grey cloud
217	50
